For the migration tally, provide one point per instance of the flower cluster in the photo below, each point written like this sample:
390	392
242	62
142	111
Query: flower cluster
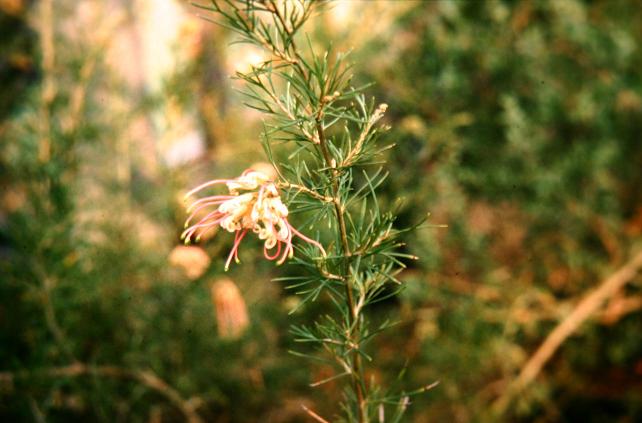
252	204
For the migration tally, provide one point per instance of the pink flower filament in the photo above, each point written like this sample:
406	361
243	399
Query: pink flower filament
253	204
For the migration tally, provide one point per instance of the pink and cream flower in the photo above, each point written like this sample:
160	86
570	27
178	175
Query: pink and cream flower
252	204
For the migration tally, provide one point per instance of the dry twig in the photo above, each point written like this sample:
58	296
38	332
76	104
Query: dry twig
314	415
586	307
619	307
144	377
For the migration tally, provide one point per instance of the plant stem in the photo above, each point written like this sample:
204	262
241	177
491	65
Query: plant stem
354	321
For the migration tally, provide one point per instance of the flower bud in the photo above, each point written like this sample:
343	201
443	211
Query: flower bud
193	261
229	308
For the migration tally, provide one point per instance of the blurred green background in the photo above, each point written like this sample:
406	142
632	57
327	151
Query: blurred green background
518	124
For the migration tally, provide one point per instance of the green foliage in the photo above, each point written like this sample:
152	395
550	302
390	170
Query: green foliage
89	302
17	70
518	126
514	123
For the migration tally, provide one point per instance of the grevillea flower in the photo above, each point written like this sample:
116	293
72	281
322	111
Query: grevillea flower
252	204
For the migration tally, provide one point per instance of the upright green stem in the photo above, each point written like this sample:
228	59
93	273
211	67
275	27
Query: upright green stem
355	324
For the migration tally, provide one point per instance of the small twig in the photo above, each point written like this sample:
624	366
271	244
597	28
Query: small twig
306	190
47	286
586	307
48	91
620	306
78	96
144	377
330	276
314	415
330	379
356	150
38	415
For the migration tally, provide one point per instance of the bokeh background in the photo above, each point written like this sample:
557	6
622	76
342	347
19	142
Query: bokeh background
518	125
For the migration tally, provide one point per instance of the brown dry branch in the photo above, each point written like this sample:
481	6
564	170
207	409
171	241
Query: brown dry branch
619	307
314	415
584	309
144	377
